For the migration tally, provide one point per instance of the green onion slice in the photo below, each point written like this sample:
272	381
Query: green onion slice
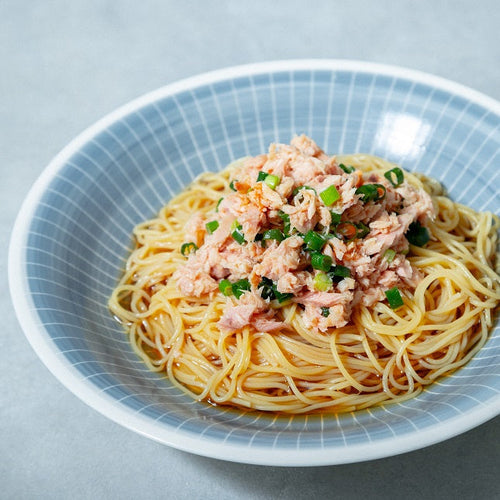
367	192
395	176
226	287
339	271
362	230
417	234
381	191
272	181
389	255
188	248
237	233
347	169
270	291
343	271
273	234
286	222
239	287
238	236
371	192
321	262
346	230
325	311
218	203
281	297
322	282
329	195
262	175
314	241
231	185
211	226
394	298
266	289
335	218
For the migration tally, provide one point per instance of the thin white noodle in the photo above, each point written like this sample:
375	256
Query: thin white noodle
380	355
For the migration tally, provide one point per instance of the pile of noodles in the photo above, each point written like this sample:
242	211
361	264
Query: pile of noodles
380	355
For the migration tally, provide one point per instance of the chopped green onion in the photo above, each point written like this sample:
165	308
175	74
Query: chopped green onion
381	191
335	218
272	181
266	286
314	241
362	230
339	271
343	271
394	298
262	175
298	188
237	233
417	234
269	290
239	287
238	236
188	248
389	255
395	176
369	192
286	222
231	185
273	234
322	282
329	195
281	297
211	226
226	287
346	230
347	169
218	203
325	311
321	262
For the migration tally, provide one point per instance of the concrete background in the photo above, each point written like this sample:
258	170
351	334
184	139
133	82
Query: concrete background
66	64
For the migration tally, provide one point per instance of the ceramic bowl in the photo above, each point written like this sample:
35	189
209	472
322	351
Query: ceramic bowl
73	234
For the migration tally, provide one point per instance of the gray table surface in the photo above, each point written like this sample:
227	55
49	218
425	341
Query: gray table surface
66	64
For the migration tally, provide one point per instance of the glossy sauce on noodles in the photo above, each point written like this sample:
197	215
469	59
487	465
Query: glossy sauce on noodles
300	282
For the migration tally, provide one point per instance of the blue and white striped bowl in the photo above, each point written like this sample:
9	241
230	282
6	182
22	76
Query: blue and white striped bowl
73	235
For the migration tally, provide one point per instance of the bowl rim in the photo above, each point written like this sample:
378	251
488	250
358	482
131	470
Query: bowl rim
64	371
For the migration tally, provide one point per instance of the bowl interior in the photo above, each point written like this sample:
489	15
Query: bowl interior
79	236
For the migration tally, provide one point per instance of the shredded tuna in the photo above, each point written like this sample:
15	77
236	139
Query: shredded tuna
292	282
262	239
303	214
281	258
323	299
337	318
195	283
245	313
268	325
195	229
236	317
